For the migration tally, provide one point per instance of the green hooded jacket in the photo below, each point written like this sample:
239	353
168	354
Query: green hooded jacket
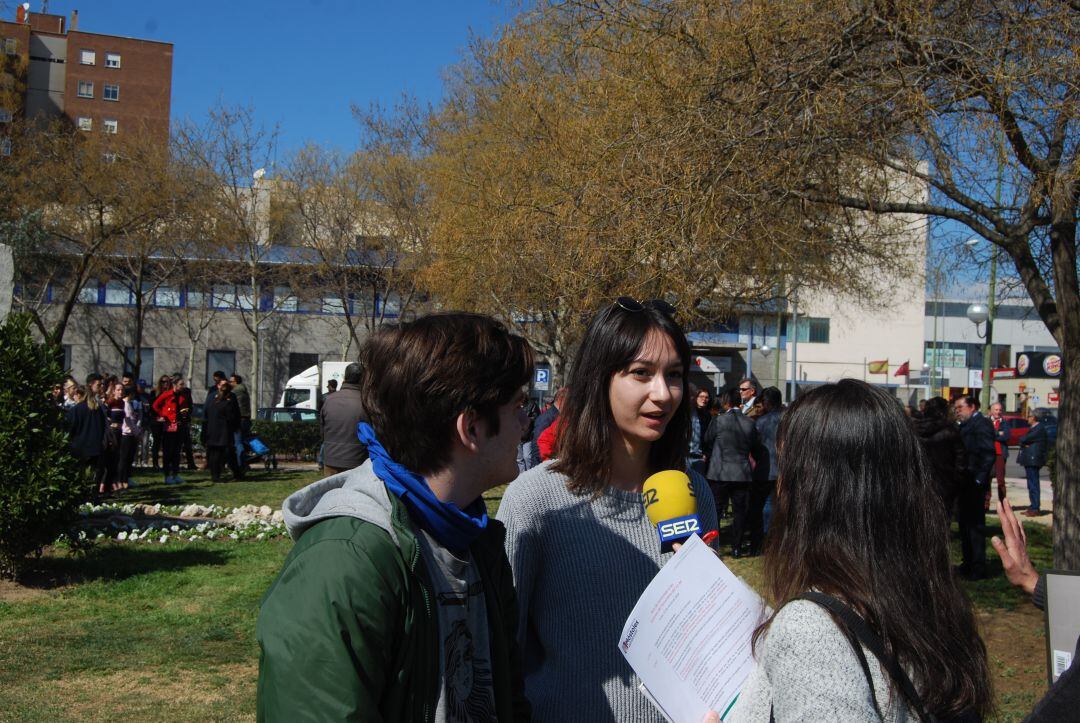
348	631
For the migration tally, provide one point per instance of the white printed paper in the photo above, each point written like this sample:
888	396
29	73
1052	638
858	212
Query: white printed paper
688	637
1062	661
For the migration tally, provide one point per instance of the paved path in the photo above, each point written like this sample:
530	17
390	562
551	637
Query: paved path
1016	484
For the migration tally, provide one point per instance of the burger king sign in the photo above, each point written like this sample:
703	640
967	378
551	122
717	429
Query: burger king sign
1052	365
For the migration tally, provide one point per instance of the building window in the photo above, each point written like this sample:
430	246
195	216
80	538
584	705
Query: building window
112	60
167	296
67	357
87	57
11	46
86	89
88	294
311	306
118	293
198	299
86	124
5	115
223	297
301	362
219	360
146	362
109	126
5	146
284	299
813	331
333	305
390	305
112	92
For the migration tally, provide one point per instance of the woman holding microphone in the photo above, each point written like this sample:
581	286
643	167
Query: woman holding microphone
580	544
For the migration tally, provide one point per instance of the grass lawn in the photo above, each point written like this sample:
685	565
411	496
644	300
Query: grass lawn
166	632
259	487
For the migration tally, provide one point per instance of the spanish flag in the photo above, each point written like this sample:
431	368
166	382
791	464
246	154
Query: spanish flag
878	367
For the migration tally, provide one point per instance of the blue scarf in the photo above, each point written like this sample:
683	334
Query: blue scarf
453	528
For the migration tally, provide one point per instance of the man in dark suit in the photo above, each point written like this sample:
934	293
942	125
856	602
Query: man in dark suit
977	433
731	440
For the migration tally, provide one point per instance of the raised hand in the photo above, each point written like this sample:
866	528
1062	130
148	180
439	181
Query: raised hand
1013	550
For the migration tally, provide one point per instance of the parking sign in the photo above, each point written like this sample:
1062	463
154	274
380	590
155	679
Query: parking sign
542	379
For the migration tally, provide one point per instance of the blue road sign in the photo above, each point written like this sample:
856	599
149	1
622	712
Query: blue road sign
542	379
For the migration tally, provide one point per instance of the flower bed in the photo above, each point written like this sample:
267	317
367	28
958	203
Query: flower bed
191	523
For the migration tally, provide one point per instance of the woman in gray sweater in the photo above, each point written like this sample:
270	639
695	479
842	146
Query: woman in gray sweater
869	621
580	544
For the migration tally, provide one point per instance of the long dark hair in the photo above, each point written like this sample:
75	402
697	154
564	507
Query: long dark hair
857	516
585	434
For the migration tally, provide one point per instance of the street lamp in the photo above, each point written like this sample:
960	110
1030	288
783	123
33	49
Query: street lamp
977	314
987	313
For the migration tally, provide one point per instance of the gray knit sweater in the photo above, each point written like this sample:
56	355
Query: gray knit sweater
579	566
807	671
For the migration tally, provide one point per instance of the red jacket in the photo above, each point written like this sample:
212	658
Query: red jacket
166	405
546	441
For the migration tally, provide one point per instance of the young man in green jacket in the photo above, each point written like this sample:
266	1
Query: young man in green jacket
396	602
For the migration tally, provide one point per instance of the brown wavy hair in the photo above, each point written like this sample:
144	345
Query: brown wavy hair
585	434
858	517
417	377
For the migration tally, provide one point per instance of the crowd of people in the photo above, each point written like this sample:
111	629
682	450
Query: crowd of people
115	423
402	600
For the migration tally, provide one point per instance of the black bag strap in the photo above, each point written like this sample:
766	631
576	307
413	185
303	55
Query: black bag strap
858	627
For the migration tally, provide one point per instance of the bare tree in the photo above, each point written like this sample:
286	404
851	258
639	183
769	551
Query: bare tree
82	198
234	158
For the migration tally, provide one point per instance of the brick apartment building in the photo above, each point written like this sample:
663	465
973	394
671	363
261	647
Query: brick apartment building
101	83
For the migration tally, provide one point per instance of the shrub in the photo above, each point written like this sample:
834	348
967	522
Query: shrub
289	439
41	484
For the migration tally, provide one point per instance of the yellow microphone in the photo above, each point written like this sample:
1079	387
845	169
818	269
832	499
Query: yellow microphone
671	505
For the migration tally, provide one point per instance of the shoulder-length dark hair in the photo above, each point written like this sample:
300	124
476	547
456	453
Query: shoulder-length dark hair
586	430
857	516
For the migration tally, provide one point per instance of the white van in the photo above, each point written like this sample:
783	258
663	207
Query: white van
306	389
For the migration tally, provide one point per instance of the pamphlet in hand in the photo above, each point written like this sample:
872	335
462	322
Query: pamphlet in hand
688	637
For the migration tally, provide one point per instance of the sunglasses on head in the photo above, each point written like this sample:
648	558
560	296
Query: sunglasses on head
627	303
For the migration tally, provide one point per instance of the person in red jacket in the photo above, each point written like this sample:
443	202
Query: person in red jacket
546	441
167	406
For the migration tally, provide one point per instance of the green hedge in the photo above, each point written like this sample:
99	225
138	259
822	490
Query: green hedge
287	440
294	440
41	484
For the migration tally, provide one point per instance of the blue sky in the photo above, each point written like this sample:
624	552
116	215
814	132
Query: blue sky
299	64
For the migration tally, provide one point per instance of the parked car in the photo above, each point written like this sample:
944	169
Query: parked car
1017	425
287	414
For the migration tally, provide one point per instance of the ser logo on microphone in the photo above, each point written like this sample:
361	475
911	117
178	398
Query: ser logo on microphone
678	528
651	496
